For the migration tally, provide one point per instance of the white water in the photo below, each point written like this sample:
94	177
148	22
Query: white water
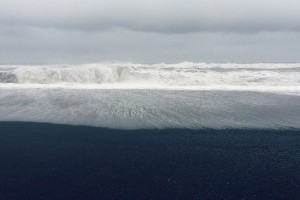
174	76
184	95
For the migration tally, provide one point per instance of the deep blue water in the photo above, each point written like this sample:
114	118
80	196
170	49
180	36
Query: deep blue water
47	161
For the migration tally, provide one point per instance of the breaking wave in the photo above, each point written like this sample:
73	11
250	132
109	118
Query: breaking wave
155	75
70	94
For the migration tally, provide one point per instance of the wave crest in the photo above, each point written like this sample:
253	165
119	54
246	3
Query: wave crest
182	74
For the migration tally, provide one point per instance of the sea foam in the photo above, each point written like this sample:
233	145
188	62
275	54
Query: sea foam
181	75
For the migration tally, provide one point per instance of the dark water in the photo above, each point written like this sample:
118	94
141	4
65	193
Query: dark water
44	161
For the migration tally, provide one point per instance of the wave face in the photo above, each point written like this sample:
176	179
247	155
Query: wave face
155	75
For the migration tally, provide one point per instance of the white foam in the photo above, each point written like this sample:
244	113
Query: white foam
171	76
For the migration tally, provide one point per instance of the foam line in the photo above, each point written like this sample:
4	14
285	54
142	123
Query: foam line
182	75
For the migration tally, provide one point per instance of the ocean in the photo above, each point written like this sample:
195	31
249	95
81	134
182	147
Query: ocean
160	131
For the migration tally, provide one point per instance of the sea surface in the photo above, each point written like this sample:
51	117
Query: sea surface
50	161
159	131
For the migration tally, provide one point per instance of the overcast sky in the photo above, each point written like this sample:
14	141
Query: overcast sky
149	31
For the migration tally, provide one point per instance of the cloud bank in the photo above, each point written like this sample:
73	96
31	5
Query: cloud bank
149	31
165	16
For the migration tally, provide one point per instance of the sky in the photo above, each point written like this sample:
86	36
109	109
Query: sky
149	31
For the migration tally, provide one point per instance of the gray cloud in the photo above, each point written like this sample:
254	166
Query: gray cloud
62	31
164	16
56	46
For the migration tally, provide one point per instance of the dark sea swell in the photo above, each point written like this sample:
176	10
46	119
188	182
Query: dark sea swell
49	161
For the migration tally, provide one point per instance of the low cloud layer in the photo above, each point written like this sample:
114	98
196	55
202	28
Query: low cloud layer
149	31
165	16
